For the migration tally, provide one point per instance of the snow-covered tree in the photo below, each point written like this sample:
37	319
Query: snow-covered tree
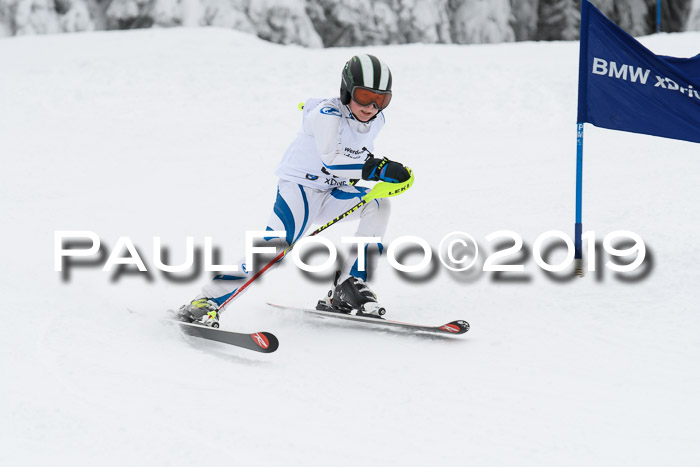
524	19
345	22
165	13
694	19
284	22
675	14
192	11
229	14
77	16
634	16
7	18
168	13
559	19
481	21
638	17
425	21
36	17
364	22
388	27
130	14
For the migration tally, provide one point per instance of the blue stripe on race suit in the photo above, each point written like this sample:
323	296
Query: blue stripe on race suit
344	167
224	277
359	274
363	274
285	214
337	193
220	300
306	212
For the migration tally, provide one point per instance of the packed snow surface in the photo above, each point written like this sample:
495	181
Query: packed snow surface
176	133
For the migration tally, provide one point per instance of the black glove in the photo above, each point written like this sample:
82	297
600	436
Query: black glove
384	170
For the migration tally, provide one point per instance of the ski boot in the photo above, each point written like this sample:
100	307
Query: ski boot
203	311
352	295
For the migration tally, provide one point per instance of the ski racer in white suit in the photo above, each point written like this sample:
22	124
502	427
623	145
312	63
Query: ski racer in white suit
332	151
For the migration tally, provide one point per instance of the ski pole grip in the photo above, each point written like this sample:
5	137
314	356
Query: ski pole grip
387	189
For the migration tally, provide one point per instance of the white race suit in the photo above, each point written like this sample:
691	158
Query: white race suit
315	186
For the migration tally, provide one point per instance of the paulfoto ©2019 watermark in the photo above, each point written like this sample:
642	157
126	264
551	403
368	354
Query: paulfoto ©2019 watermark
457	251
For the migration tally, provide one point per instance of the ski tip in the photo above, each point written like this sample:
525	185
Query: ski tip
456	327
266	341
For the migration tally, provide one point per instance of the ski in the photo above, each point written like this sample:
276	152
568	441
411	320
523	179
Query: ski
452	328
264	342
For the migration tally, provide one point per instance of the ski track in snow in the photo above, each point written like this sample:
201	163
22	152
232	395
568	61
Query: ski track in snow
176	132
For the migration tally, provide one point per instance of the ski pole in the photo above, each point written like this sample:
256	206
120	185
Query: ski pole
380	190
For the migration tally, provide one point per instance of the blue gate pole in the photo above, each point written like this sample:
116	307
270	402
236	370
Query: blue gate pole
658	16
578	252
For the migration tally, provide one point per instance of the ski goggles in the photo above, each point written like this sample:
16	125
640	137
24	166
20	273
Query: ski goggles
365	96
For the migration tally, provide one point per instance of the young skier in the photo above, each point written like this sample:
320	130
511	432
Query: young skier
317	174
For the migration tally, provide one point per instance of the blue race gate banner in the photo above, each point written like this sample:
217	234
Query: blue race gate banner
624	86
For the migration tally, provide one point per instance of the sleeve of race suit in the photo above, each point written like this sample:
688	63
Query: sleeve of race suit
326	124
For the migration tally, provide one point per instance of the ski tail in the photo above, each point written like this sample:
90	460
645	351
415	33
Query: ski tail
264	342
456	327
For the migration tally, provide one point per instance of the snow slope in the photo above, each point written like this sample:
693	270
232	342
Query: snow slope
176	132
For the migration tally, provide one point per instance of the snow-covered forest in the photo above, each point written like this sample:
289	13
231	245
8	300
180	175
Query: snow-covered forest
333	23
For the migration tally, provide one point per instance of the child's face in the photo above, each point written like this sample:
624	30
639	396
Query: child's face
363	112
